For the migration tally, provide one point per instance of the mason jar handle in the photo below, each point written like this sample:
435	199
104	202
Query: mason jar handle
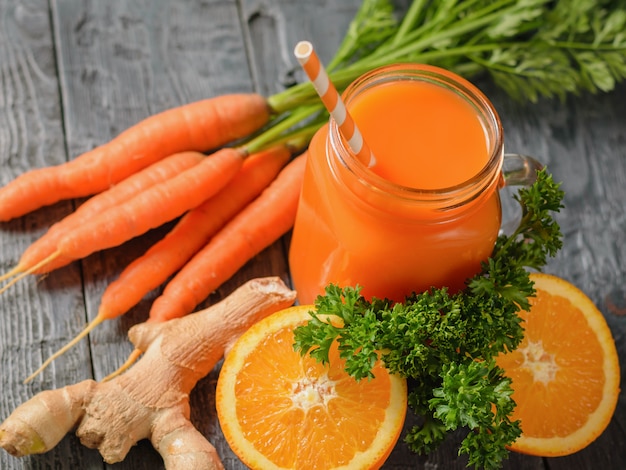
519	170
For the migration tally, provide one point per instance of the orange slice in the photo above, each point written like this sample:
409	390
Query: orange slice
565	373
281	410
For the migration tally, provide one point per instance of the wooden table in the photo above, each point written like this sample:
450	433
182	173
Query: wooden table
74	74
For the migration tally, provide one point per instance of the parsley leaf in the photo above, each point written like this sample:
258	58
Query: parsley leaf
444	343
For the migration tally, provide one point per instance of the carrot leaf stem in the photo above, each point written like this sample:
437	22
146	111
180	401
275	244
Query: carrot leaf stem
287	127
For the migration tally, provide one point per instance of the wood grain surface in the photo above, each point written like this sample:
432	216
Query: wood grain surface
73	74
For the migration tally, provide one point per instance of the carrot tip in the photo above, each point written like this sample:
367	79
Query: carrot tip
13	281
13	272
22	274
95	322
124	367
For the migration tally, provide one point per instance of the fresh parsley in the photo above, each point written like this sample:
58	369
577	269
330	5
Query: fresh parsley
445	343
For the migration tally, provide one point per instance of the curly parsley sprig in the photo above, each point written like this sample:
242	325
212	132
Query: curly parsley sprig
444	343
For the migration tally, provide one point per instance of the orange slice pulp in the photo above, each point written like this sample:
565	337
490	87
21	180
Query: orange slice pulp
281	410
565	373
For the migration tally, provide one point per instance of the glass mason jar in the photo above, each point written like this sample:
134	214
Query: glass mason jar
357	225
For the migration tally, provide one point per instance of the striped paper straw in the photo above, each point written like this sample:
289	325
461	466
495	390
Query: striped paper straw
316	72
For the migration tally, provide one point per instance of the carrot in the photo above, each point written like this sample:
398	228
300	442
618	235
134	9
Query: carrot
131	186
259	225
202	125
149	209
192	232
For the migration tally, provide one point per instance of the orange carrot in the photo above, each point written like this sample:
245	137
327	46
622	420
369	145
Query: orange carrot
131	186
149	209
259	225
201	126
190	234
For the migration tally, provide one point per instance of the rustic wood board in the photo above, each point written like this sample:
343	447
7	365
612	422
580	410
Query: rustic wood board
76	73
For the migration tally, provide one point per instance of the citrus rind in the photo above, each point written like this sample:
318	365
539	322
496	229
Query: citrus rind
599	418
372	457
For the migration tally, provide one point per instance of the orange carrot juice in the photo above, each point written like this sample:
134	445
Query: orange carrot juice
426	213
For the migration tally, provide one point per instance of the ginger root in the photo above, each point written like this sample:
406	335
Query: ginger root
150	400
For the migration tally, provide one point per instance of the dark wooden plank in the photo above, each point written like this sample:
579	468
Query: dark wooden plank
118	62
582	140
139	58
121	61
272	29
36	313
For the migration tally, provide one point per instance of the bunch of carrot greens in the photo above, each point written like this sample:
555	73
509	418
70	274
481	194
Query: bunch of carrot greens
530	48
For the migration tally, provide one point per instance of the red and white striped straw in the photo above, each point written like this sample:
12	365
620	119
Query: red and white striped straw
316	72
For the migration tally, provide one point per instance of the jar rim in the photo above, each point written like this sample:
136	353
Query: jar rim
451	196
